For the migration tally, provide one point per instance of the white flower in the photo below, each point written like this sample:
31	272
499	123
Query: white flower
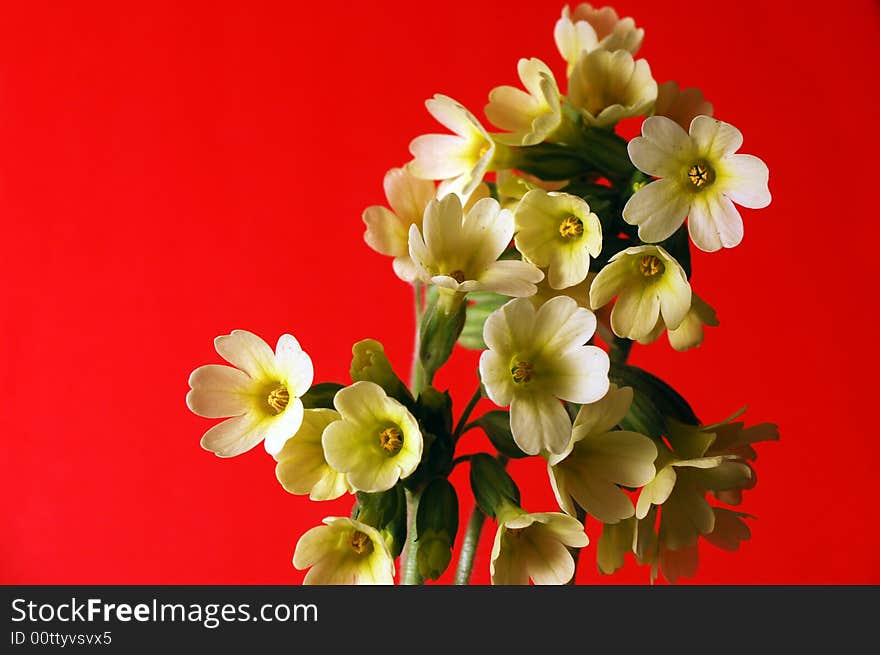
700	178
344	551
262	393
534	546
537	358
681	105
558	231
459	252
302	468
599	458
388	230
609	86
650	284
587	29
529	117
376	442
459	159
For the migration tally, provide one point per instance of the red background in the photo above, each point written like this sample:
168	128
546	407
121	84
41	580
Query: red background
171	171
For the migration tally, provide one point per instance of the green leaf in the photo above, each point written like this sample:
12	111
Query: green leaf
666	399
644	417
481	305
321	395
551	161
496	425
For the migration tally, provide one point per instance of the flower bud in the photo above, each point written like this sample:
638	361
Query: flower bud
434	554
370	364
436	526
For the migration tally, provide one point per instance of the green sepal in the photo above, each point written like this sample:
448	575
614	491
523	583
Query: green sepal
440	329
551	161
492	486
496	425
321	395
385	511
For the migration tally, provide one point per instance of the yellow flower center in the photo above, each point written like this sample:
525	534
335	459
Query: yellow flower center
278	399
458	276
522	372
571	227
650	266
482	152
391	440
701	174
361	543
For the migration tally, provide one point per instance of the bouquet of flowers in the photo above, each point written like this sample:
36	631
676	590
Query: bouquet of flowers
552	246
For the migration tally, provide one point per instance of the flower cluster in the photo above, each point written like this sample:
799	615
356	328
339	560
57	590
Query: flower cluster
552	245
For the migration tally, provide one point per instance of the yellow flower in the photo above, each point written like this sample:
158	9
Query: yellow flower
376	442
599	458
681	105
537	358
262	393
534	546
529	117
701	178
609	86
459	159
689	333
302	468
459	252
344	552
649	284
558	231
388	230
587	29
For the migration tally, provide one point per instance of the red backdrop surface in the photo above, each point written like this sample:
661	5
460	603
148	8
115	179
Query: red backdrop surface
171	171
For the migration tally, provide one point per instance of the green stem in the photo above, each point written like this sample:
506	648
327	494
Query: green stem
417	375
466	414
469	547
409	565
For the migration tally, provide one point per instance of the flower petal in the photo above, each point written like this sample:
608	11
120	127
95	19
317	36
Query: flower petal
715	223
715	139
510	328
248	352
635	312
294	366
282	427
745	181
560	325
511	278
539	422
658	208
438	156
580	375
386	233
234	436
219	391
408	196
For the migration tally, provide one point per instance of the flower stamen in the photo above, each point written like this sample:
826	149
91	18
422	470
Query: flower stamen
571	227
278	399
650	266
701	174
391	441
522	372
457	275
361	543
